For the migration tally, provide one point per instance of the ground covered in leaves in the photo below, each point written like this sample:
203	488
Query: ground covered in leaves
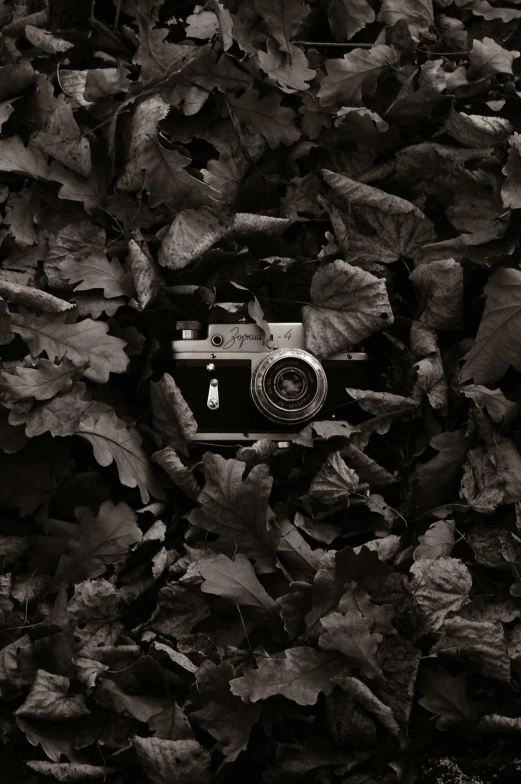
347	610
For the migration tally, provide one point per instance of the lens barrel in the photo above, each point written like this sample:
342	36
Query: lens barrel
289	385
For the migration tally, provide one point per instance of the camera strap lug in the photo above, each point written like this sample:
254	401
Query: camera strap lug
213	395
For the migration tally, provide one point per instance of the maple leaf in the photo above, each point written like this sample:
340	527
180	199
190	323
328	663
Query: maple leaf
351	635
102	539
266	116
440	586
488	58
445	695
334	481
62	139
300	674
83	341
355	76
349	304
497	344
236	508
112	440
48	699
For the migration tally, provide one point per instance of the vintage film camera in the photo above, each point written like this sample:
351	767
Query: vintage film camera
240	390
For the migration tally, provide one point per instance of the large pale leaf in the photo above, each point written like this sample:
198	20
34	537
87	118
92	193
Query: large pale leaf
418	14
164	761
349	305
112	440
300	674
61	138
235	508
488	58
48	699
102	539
84	341
498	342
379	226
60	416
440	586
354	77
482	642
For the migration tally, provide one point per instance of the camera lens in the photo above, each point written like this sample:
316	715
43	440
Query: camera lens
289	385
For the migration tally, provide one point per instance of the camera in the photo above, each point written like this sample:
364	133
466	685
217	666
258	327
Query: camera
242	388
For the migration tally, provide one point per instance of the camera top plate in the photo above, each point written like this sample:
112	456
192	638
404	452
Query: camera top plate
247	338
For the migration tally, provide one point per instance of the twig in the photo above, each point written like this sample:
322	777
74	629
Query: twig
347	44
118	14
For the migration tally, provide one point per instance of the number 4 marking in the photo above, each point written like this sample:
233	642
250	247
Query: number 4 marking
288	335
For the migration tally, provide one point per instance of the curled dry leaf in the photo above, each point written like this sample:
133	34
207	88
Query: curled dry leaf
440	586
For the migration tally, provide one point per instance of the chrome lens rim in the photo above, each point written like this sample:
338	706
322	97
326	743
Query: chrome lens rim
269	408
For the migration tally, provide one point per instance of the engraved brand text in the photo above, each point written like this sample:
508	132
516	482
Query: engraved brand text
238	338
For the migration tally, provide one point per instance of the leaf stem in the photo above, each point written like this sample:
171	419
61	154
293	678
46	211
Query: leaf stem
347	44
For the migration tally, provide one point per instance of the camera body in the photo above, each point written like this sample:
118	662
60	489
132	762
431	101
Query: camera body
240	389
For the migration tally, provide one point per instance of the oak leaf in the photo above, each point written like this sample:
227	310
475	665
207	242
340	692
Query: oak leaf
112	440
102	540
418	14
28	161
352	635
300	674
41	381
347	17
266	116
83	341
234	580
353	78
235	508
488	58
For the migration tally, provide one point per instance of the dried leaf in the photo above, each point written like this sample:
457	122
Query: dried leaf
85	341
351	635
171	413
349	304
440	586
299	674
161	759
48	699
